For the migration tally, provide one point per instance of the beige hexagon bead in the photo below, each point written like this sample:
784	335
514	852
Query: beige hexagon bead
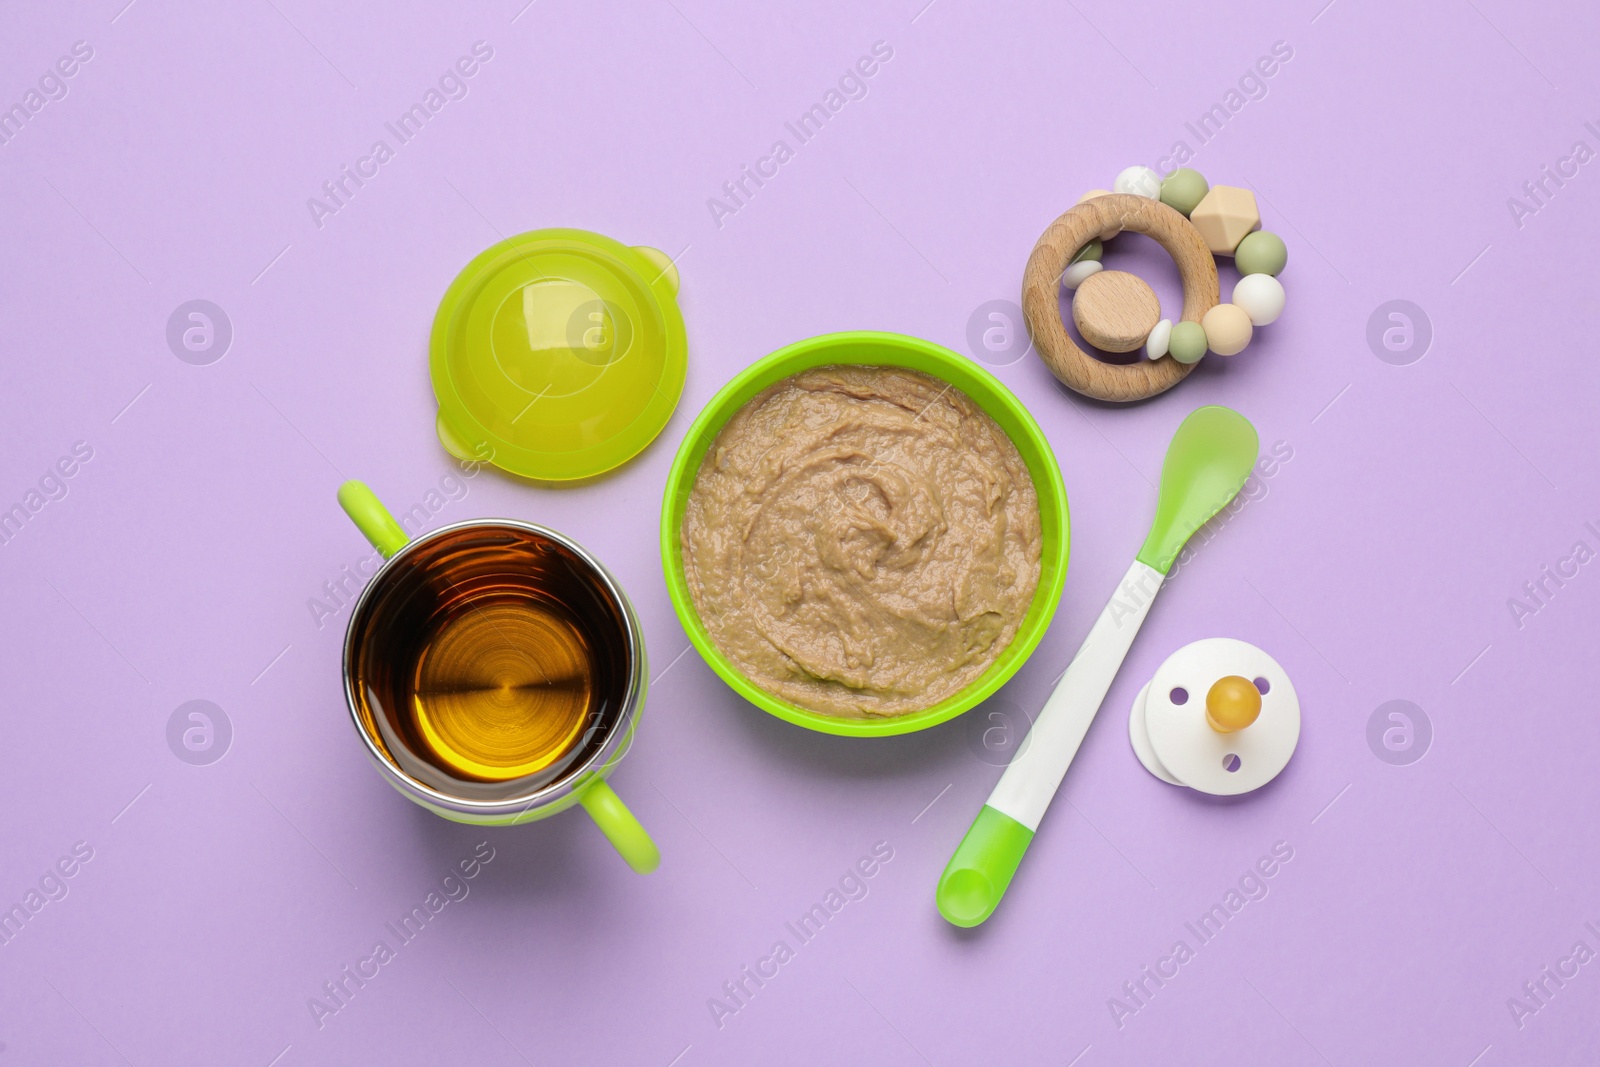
1224	216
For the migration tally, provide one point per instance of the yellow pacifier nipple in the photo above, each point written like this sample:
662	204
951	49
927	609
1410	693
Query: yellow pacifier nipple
1232	704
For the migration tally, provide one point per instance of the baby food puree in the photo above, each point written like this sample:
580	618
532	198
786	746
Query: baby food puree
862	541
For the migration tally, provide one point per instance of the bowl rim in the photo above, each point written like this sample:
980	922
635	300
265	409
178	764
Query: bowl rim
843	349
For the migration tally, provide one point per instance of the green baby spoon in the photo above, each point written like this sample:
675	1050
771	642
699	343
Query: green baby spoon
1207	463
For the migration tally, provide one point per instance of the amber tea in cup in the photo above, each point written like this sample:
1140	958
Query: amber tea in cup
491	665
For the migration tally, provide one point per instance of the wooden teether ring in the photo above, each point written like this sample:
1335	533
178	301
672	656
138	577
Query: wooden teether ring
1076	227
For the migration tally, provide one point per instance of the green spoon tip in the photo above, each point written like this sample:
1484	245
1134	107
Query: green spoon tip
981	869
1207	463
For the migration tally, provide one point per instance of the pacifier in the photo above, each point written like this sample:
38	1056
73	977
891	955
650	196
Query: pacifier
1220	716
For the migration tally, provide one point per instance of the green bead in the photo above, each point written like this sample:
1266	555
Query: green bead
1261	252
1183	189
1188	342
1093	250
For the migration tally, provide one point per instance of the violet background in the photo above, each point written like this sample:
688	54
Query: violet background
1418	500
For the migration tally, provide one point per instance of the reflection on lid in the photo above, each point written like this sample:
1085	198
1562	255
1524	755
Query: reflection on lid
559	338
553	312
569	318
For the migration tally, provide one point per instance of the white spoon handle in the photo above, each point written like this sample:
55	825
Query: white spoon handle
1035	772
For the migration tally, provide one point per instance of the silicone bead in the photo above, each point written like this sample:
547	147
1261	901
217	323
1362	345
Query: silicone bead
1261	297
1187	342
1227	329
1183	189
1092	250
1105	235
1225	216
1155	346
1074	275
1262	252
1140	181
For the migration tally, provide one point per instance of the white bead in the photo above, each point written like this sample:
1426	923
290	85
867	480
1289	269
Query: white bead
1155	346
1261	297
1140	181
1075	275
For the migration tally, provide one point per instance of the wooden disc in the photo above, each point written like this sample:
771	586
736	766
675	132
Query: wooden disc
1115	311
1076	227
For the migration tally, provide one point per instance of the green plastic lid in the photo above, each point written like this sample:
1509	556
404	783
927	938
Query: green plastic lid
558	354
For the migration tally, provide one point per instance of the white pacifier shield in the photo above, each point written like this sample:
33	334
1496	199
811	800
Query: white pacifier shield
1183	742
1140	736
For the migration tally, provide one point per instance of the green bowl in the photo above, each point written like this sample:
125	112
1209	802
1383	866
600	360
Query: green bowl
879	350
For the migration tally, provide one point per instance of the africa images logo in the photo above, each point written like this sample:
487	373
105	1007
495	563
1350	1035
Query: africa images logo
338	191
51	886
853	84
852	885
1252	886
53	85
341	989
53	485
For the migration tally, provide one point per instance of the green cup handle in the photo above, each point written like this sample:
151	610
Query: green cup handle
372	518
620	827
